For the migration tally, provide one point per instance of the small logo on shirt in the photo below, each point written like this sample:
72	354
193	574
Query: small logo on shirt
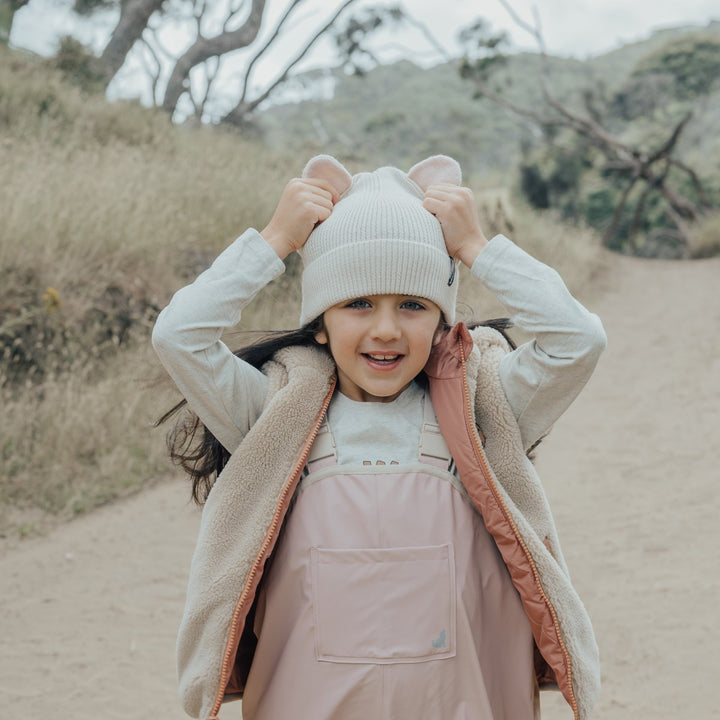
439	642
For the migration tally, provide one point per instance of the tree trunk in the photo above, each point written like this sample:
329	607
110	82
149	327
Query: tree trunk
8	8
134	17
205	48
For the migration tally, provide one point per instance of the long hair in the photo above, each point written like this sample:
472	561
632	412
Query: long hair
199	453
191	445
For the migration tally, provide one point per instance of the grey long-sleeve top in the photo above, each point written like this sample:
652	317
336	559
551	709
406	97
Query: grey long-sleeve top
540	378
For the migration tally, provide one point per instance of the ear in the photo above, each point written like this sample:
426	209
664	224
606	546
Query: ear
326	167
436	169
439	333
321	337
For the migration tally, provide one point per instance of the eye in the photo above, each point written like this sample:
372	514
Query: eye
412	305
358	304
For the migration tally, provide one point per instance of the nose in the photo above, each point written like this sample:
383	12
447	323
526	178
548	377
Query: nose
385	325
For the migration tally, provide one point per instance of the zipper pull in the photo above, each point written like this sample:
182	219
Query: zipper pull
453	265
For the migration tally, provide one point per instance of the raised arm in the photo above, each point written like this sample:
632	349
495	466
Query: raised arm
543	376
226	393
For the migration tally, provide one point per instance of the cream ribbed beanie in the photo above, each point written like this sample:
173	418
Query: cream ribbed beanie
379	239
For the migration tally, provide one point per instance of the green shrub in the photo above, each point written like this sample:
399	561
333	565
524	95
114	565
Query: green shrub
692	61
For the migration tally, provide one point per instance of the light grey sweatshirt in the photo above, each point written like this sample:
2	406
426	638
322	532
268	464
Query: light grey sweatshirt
540	378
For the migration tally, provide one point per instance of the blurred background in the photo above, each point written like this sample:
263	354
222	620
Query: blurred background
139	137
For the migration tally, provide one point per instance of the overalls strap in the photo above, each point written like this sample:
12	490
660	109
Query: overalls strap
433	448
322	453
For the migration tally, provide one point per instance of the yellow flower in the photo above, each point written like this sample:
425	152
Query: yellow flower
51	297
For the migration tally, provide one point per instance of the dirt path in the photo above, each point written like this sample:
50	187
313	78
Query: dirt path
88	614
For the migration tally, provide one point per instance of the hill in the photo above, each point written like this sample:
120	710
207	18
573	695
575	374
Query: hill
400	113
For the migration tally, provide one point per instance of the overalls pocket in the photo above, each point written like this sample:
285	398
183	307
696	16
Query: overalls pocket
384	605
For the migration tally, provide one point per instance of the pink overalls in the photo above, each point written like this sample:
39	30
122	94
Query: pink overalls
387	598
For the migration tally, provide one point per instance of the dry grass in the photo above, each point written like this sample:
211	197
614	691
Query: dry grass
704	239
106	210
575	252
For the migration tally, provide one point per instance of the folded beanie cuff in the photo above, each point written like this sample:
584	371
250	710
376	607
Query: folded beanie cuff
377	267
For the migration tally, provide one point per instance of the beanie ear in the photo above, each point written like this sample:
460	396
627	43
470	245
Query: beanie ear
436	169
326	167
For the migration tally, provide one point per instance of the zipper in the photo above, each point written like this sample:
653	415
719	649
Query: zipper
230	644
488	477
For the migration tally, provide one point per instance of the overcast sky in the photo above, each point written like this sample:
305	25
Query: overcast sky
578	28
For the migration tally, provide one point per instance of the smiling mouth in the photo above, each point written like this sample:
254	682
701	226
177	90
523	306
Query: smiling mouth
381	358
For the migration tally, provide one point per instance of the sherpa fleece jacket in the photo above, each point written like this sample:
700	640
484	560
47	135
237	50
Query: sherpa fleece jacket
248	503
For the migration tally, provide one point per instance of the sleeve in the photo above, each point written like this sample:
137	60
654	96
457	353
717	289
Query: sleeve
226	393
542	377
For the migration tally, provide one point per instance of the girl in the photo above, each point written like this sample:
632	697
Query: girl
378	545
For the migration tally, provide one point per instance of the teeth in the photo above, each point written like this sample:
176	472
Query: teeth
383	357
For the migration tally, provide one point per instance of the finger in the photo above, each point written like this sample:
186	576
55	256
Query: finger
323	196
323	184
323	202
433	204
444	189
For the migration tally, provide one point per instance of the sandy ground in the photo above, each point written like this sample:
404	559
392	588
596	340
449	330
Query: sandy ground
88	614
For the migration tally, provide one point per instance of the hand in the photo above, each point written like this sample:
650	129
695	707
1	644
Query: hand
456	210
303	204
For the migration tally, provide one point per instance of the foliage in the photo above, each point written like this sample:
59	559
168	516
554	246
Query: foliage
705	237
88	7
79	65
573	178
106	209
38	103
656	197
483	50
692	63
351	38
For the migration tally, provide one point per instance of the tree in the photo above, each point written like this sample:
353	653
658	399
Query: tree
191	78
8	8
134	18
647	176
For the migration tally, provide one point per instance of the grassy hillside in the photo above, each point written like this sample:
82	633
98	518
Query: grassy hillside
401	113
105	210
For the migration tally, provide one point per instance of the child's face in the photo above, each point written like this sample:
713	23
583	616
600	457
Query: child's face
380	343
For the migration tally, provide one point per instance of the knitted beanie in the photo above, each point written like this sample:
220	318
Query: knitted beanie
379	239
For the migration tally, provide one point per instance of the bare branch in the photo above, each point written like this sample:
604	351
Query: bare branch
210	78
235	7
204	48
154	73
198	13
631	162
427	34
263	49
667	147
243	109
134	17
534	30
694	179
540	121
158	46
617	215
